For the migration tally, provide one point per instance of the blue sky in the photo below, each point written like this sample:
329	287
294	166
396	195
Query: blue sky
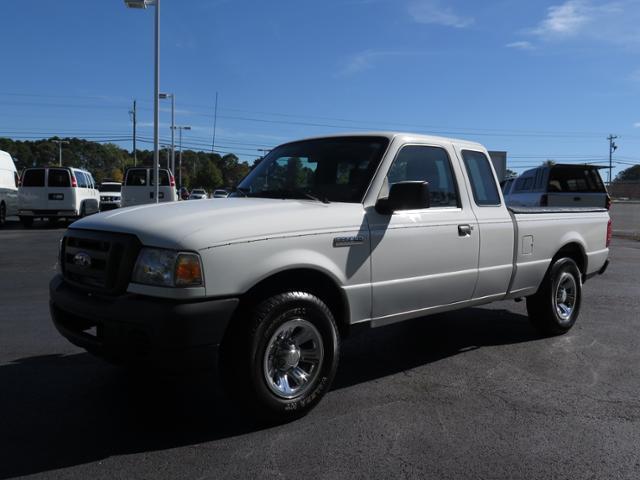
540	79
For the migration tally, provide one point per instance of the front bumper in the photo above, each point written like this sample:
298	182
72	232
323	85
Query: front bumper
109	206
129	327
48	213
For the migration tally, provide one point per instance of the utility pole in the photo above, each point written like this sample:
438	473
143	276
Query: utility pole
134	120
60	142
612	148
215	120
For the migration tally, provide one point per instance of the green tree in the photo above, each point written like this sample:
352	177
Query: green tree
631	174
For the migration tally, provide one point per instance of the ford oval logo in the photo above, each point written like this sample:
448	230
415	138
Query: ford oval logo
82	259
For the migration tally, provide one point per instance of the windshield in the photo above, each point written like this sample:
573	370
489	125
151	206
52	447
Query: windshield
330	169
110	188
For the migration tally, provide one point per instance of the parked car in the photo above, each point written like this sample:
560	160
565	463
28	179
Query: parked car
560	185
139	187
56	192
9	181
198	194
323	236
110	195
220	193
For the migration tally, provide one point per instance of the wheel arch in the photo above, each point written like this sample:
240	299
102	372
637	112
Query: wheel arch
574	251
308	279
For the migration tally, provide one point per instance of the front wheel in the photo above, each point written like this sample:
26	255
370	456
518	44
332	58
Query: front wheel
555	306
284	360
3	214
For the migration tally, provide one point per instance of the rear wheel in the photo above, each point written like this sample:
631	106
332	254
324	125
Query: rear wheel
283	360
26	221
555	307
3	214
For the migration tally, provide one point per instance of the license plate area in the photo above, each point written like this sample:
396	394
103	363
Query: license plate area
56	196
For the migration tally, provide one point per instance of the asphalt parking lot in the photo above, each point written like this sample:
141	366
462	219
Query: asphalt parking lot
470	394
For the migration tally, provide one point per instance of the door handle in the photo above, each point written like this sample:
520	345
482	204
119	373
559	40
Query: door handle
464	230
577	199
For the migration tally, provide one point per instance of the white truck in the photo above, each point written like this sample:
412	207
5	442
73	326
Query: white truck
324	235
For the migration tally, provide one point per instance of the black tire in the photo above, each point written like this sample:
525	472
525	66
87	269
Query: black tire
27	221
3	214
254	346
561	288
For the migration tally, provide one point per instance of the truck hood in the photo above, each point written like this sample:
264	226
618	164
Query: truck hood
201	224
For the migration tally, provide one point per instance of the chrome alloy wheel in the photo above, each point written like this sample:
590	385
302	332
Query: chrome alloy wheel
293	358
564	299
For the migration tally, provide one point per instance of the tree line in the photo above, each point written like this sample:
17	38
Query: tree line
108	161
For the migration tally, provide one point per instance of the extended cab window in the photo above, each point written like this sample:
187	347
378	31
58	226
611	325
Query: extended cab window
59	178
33	178
428	164
483	183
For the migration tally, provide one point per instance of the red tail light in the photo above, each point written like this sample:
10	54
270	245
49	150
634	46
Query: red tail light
74	182
544	200
607	203
609	232
172	181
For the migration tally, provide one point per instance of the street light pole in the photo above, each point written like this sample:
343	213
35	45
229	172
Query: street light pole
60	142
156	86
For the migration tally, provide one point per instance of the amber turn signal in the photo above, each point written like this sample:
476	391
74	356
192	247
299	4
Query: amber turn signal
188	271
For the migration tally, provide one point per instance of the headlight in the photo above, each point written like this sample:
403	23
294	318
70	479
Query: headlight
167	268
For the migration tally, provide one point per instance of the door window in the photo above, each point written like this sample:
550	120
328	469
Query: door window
483	183
58	178
428	164
136	178
33	178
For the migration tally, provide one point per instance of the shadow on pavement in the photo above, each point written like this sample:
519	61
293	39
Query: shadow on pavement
61	411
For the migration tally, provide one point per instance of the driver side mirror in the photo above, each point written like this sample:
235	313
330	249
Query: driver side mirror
410	195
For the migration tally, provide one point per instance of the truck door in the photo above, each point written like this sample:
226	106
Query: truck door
59	193
423	258
495	228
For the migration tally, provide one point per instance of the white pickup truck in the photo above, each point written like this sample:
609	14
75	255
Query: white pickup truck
323	235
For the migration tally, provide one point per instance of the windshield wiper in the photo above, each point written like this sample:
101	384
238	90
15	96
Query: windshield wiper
289	193
313	197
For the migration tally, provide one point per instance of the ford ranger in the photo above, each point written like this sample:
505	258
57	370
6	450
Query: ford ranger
323	235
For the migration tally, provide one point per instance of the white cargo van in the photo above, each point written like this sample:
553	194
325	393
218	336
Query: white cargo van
139	187
8	187
56	192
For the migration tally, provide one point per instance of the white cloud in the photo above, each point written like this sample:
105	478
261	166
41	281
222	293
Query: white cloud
611	22
636	125
433	12
566	19
521	45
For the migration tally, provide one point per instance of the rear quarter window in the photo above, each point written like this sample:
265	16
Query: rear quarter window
33	178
